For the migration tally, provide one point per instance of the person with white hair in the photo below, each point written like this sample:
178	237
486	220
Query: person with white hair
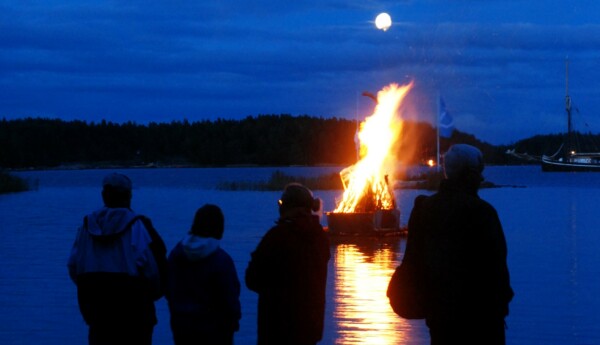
457	247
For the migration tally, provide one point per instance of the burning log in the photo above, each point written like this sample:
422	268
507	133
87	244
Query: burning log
368	218
368	205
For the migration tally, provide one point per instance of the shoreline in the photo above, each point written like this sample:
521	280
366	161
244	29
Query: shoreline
160	166
154	165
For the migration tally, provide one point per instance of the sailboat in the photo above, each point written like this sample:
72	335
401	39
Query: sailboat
566	157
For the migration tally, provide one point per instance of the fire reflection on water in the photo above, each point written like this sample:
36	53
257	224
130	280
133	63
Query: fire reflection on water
361	308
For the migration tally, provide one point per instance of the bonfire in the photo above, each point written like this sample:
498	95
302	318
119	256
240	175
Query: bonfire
368	202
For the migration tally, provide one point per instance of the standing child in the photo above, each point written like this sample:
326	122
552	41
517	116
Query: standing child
203	288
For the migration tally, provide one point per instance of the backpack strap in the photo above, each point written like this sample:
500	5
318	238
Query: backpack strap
158	248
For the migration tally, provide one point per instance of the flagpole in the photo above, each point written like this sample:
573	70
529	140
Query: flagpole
356	145
438	134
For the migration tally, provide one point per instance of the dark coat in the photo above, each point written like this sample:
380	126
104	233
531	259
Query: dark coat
288	270
203	296
457	242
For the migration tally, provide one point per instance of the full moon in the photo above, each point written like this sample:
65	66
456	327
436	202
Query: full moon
383	21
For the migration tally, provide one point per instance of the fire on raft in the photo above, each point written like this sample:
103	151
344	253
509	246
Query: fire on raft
368	205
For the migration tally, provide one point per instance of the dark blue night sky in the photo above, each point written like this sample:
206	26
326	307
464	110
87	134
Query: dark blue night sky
499	65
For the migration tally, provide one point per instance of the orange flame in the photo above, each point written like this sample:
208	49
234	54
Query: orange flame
367	183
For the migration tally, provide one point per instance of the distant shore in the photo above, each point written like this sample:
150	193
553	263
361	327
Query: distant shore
98	166
426	180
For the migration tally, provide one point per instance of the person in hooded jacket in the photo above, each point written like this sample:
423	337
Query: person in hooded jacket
288	270
118	263
203	288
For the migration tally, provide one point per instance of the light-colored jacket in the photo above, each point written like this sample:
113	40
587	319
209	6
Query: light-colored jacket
105	245
112	262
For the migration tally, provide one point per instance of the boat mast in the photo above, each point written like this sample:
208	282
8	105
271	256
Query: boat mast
568	109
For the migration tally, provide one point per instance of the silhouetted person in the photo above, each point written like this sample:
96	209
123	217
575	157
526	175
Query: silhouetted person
203	287
458	245
118	263
288	270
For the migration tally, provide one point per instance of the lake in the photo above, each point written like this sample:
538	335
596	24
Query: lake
550	222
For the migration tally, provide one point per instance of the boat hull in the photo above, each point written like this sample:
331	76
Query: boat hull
549	165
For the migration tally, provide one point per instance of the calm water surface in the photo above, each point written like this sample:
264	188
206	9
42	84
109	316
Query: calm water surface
550	222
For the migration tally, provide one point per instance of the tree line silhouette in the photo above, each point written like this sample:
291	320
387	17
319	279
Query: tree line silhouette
262	140
268	140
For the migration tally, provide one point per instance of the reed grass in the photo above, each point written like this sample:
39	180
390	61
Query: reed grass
279	180
11	184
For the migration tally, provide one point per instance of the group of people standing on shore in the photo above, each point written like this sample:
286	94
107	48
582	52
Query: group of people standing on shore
120	266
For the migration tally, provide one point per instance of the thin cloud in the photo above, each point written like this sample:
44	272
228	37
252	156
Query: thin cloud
149	60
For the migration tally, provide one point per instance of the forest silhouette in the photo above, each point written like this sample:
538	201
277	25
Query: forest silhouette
264	140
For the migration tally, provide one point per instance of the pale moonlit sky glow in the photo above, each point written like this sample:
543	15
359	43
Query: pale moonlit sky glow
499	65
